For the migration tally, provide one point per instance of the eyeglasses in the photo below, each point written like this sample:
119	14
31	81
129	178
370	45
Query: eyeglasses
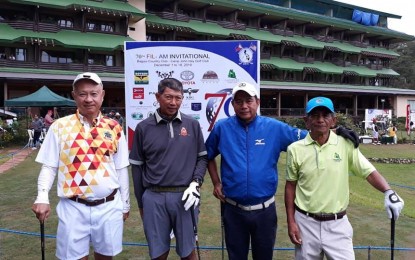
171	97
241	101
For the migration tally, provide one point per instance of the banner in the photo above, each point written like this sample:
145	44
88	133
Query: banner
380	116
208	71
408	119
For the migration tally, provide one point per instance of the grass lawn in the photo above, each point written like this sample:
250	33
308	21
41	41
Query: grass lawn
366	213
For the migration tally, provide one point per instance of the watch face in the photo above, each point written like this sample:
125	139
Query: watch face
246	56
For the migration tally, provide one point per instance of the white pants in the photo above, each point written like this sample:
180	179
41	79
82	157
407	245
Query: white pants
332	239
79	225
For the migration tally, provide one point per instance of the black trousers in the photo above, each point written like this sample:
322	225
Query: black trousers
258	227
36	136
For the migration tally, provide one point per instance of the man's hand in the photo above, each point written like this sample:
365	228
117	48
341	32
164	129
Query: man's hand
294	233
191	195
125	216
42	211
348	134
218	193
393	203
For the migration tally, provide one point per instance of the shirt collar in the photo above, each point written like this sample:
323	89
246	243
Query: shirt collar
159	118
83	120
332	139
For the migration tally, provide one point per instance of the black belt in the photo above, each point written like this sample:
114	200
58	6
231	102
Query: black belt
322	216
167	188
92	203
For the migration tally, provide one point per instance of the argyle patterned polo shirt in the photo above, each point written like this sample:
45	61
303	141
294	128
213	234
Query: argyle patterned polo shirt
86	158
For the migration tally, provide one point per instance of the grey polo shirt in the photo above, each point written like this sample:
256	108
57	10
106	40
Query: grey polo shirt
168	151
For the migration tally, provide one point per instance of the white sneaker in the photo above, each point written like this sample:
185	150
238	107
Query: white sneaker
34	148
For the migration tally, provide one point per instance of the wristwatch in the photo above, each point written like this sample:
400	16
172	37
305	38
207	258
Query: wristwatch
199	181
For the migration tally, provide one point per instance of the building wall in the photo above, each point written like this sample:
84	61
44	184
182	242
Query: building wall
139	32
401	103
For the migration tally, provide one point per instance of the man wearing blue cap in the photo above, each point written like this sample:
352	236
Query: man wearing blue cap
317	187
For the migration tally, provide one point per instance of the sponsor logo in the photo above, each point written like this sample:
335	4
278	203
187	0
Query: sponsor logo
141	77
246	54
189	92
210	76
196	106
187	75
165	75
138	93
137	116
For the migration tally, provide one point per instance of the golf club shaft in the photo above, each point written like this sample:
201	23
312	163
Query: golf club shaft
192	212
392	236
42	238
222	229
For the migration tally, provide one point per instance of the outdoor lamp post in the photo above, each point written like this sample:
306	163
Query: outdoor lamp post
383	103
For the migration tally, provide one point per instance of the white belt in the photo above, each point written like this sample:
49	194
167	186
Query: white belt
263	205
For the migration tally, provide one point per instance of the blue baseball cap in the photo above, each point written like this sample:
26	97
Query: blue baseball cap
319	102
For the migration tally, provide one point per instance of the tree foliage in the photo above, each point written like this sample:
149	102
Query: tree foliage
404	65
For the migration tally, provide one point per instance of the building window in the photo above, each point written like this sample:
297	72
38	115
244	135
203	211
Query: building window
65	22
109	60
101	59
155	37
20	54
54	57
94	25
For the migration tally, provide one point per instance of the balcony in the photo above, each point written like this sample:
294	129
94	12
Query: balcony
232	25
375	66
173	16
16	64
323	38
282	32
303	59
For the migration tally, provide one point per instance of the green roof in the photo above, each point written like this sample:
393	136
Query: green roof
305	16
266	36
325	67
285	64
71	74
66	38
112	5
334	87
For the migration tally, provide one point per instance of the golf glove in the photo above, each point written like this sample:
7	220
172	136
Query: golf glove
191	195
393	203
348	134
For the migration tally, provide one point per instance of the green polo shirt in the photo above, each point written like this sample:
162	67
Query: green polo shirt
322	172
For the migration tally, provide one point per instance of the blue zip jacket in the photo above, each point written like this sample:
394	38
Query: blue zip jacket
249	155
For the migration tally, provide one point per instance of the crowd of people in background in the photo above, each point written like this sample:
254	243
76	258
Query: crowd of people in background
117	116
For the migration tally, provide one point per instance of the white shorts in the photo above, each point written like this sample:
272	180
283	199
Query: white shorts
79	225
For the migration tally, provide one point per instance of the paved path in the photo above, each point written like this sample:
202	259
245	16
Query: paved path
16	157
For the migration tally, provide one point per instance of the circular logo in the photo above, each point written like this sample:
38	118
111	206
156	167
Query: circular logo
137	116
187	75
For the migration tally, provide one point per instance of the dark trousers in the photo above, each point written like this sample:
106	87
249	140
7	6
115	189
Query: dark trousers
242	227
36	136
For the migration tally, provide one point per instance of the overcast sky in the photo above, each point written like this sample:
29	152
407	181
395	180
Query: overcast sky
404	8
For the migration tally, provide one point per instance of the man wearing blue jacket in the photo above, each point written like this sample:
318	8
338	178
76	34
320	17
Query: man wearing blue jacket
249	146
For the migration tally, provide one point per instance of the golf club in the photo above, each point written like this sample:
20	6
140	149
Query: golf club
192	212
392	236
223	230
42	238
